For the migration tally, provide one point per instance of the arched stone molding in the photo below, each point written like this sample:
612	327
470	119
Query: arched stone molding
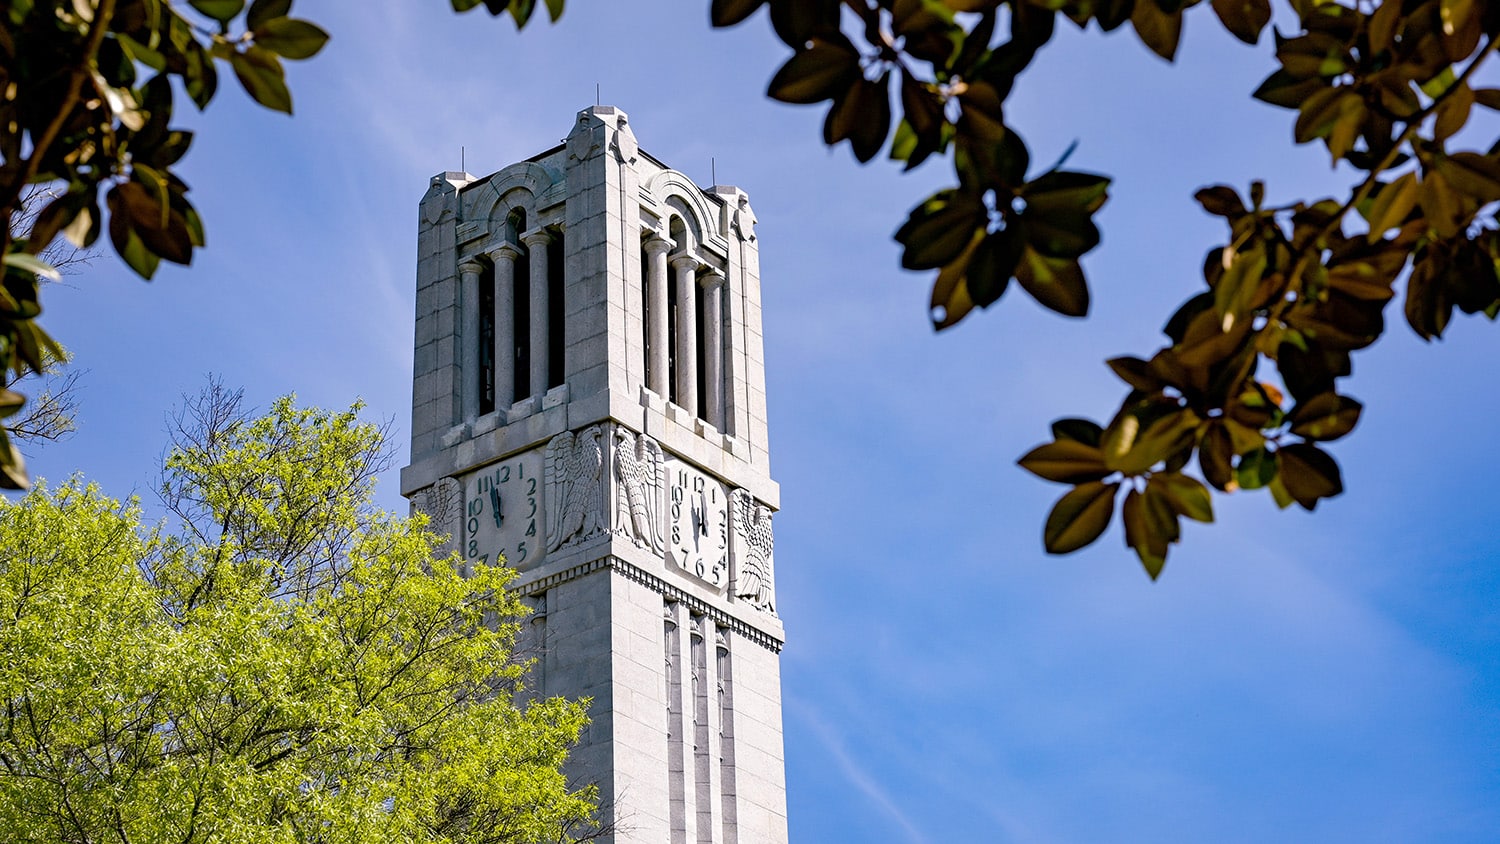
670	191
488	200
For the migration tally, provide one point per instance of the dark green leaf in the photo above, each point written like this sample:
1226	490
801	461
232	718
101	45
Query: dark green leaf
1215	456
260	73
1150	525
994	262
1084	431
1288	91
12	465
262	11
1221	201
730	12
863	116
1065	461
1244	18
291	38
940	228
1079	517
220	10
1140	438
1158	30
1326	416
1188	496
1056	283
1309	474
821	72
1256	469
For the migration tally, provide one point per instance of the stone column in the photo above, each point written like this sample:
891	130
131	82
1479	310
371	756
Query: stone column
469	273
504	258
536	241
686	268
657	366
713	346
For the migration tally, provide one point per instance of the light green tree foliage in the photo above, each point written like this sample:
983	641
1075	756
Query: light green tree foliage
279	663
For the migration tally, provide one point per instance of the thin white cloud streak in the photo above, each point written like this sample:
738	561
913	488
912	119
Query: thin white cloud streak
855	774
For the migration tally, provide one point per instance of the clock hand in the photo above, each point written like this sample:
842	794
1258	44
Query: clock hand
495	505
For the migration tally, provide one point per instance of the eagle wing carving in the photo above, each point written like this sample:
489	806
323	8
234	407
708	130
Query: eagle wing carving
575	466
638	470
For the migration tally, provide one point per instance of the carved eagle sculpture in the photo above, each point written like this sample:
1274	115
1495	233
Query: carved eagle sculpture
575	466
638	502
752	529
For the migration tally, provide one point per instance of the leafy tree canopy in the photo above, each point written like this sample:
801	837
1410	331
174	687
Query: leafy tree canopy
1246	390
280	662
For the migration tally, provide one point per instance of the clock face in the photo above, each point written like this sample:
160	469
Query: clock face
697	523
503	512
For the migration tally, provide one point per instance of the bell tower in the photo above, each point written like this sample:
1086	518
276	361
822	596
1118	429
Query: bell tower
589	405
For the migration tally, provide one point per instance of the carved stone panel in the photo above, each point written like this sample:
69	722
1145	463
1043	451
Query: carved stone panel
441	503
575	487
751	552
640	482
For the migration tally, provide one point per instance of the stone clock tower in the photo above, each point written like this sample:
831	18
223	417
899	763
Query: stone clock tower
589	404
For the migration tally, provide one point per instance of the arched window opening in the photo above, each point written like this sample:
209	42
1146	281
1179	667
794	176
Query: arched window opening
556	341
646	347
486	338
701	411
676	313
520	316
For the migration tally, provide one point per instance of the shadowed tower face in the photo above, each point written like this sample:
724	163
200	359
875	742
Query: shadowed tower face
589	404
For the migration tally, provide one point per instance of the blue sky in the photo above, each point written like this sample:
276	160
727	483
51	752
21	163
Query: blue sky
1333	677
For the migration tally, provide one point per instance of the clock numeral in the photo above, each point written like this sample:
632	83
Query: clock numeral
531	528
473	548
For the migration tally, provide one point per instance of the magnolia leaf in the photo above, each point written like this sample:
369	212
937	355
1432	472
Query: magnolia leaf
220	10
940	228
1188	496
951	301
1056	283
1326	416
1442	203
1382	26
1215	456
1392	205
1256	469
1137	373
1151	527
1244	18
1453	112
1221	201
993	263
1066	461
1309	473
1472	174
263	11
1158	30
730	12
291	38
862	115
1085	431
260	73
1133	443
1288	91
824	71
1236	290
12	465
1079	517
